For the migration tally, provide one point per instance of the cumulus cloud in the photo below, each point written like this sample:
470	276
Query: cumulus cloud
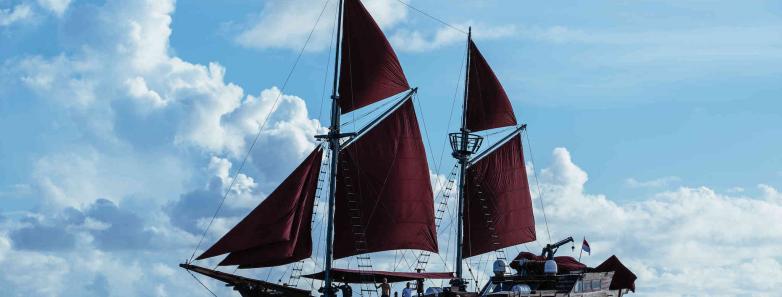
57	7
134	99
147	134
19	13
286	24
654	183
156	87
691	238
156	139
124	230
418	41
191	208
42	238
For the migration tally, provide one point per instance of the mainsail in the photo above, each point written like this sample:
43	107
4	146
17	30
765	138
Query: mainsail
384	193
369	69
381	195
498	205
487	104
495	208
278	231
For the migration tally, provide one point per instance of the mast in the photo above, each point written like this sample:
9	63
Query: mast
334	146
463	144
463	162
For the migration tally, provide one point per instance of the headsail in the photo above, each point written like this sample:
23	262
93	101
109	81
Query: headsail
384	193
369	70
278	231
488	106
498	204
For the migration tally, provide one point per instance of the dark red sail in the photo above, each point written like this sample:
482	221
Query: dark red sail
370	70
623	277
498	204
384	195
565	264
488	106
278	231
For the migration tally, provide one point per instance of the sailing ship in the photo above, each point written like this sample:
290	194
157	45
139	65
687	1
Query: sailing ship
380	195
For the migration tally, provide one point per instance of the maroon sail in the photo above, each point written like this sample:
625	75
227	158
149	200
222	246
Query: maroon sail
565	264
488	106
278	231
370	70
384	195
498	204
624	279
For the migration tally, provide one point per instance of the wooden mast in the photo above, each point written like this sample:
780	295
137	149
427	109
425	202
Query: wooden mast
333	138
462	154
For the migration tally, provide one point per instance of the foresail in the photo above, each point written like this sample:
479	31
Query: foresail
384	196
369	69
278	231
498	204
488	106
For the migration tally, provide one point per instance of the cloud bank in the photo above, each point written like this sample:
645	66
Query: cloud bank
150	142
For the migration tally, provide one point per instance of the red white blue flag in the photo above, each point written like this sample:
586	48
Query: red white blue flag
585	247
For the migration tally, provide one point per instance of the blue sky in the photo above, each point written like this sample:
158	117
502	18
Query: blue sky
654	127
642	90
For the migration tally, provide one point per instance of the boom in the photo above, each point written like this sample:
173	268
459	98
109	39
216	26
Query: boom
551	249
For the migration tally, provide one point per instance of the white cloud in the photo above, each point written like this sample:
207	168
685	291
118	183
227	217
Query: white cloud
286	24
417	41
676	241
770	193
145	125
57	7
386	13
654	183
74	178
189	103
19	13
31	270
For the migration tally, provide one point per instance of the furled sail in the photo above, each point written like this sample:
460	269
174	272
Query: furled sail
488	106
278	231
369	70
623	279
384	195
498	204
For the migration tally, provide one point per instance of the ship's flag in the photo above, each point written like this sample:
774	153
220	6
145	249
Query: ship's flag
585	247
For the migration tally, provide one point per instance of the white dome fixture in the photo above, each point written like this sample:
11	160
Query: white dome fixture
550	267
499	267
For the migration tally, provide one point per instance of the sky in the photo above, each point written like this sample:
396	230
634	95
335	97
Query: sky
653	130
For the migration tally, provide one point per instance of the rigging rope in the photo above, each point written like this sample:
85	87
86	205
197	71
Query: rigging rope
328	65
442	153
202	284
537	183
378	107
453	105
260	129
429	142
432	17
